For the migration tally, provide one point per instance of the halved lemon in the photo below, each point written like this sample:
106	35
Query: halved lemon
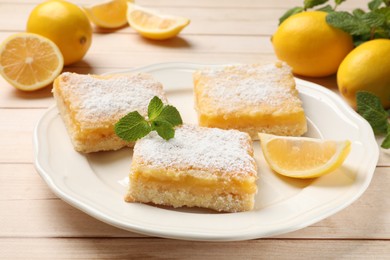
153	25
29	61
108	14
303	157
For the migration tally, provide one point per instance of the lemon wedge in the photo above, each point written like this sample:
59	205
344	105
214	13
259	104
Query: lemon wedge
29	61
153	25
109	14
303	157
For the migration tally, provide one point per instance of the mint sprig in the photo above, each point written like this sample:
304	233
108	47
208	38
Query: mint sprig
310	4
361	25
370	107
161	118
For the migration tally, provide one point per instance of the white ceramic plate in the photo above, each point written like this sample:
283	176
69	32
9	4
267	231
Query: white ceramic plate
96	183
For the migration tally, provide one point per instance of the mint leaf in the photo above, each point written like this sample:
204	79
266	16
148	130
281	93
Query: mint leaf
155	107
326	8
289	13
374	4
132	127
348	23
161	118
386	143
369	106
164	129
358	12
373	19
171	115
312	3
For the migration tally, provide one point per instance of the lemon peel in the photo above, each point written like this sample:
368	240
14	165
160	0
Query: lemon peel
66	24
152	25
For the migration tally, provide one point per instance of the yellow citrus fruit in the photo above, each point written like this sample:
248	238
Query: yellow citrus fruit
29	61
153	25
309	45
109	14
65	24
366	68
303	157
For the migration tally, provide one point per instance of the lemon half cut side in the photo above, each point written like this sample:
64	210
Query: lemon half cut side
30	61
303	157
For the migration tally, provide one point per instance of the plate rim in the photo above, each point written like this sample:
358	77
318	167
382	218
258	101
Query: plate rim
336	99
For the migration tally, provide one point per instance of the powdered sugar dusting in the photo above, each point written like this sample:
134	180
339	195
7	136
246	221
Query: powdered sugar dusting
199	148
248	85
108	98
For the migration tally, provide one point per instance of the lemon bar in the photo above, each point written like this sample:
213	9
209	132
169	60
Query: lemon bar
90	105
200	167
251	98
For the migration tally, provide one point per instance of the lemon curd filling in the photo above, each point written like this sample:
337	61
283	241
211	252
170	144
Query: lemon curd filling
297	119
198	184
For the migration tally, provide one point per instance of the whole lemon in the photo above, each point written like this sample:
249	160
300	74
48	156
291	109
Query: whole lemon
309	45
366	68
65	24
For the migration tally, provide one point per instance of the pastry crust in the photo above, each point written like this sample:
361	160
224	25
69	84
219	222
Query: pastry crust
200	167
251	98
90	105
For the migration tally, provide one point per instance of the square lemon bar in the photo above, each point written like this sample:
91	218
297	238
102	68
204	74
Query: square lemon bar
200	167
251	98
90	105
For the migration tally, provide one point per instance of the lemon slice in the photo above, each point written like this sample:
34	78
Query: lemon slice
153	25
109	14
30	61
303	157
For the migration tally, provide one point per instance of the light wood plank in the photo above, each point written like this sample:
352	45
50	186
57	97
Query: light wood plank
125	51
61	248
245	21
16	134
231	20
207	4
23	190
128	43
21	182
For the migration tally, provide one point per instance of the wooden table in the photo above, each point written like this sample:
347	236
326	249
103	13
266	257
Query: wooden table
35	224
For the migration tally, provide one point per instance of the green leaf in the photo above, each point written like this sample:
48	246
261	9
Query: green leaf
374	4
385	12
171	115
326	8
164	129
369	106
358	12
386	142
162	119
348	23
373	19
312	3
289	13
155	107
132	127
